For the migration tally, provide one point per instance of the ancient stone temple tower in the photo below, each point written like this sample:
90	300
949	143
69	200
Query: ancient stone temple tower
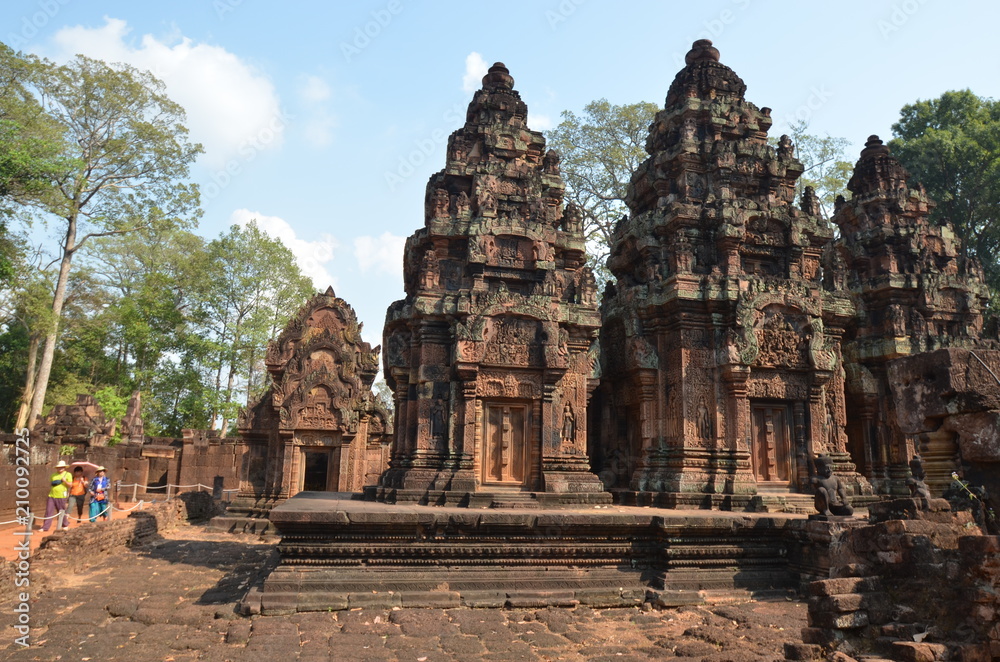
317	427
916	292
722	370
490	354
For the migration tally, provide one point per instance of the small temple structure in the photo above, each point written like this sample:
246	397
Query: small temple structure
491	354
722	370
916	292
318	426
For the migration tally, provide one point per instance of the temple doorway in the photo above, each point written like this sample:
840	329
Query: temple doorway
505	456
316	470
772	454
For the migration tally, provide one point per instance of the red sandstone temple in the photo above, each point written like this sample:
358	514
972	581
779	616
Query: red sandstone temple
318	427
491	354
741	336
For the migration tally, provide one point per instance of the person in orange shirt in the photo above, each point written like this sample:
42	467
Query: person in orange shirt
77	493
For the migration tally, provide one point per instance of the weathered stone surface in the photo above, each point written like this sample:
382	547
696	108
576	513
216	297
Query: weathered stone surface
317	427
82	423
491	353
917	290
715	238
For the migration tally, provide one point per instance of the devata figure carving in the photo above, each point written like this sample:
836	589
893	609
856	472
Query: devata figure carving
918	488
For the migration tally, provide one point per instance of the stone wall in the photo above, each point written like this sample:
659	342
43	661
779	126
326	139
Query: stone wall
914	589
197	459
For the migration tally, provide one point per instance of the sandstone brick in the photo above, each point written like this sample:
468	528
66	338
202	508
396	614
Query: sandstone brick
843	585
911	651
435	599
803	652
380	600
836	603
848	621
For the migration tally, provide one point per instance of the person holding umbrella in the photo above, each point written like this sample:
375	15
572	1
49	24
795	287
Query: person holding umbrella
77	493
99	488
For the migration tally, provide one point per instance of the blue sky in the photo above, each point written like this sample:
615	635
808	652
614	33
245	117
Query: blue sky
324	120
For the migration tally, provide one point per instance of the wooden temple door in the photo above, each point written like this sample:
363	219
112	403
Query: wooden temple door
772	451
504	444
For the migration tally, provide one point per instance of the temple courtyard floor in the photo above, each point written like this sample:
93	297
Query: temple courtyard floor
175	599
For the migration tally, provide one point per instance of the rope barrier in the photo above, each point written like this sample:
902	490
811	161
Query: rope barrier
111	508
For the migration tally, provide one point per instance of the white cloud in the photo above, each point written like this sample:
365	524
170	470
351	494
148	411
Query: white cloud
475	69
314	89
230	105
382	254
311	256
539	122
319	122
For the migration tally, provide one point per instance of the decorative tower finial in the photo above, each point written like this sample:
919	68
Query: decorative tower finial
498	77
702	50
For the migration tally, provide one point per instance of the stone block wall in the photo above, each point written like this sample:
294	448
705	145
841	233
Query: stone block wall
915	589
183	463
205	457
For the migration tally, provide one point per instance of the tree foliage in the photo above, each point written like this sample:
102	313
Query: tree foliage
123	164
827	169
600	150
250	290
952	146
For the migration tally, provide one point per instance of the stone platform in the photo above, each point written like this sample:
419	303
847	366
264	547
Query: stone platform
342	553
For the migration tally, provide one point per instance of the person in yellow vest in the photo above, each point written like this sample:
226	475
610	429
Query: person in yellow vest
58	499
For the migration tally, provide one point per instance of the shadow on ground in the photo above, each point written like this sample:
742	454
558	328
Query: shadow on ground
245	563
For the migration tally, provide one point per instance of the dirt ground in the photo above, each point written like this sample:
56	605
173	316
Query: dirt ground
175	599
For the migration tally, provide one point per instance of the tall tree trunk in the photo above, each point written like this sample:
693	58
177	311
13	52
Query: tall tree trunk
229	396
49	351
29	382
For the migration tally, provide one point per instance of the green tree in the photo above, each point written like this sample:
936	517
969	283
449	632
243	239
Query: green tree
251	288
952	146
827	169
124	161
30	153
600	150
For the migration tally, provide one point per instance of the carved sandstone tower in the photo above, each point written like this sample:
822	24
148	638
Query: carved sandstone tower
317	427
490	354
722	375
916	292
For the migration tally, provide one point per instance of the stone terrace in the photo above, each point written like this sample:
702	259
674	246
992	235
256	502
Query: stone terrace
175	598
